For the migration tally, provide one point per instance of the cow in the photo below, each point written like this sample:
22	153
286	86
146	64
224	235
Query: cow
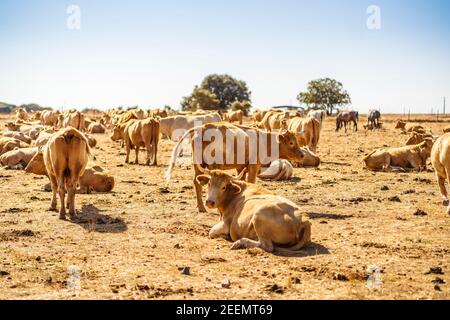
400	125
306	130
43	138
252	216
233	116
94	179
446	130
319	115
18	135
31	130
22	114
8	144
258	115
175	126
139	133
310	160
440	160
344	117
238	147
49	117
272	120
65	157
417	129
280	169
417	138
95	127
36	116
74	119
18	158
373	120
162	113
400	159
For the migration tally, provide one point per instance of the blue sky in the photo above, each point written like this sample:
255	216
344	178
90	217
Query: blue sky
152	53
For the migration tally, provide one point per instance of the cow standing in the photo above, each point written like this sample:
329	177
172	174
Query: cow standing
65	156
373	120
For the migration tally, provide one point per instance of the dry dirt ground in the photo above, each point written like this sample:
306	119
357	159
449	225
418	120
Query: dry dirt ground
133	243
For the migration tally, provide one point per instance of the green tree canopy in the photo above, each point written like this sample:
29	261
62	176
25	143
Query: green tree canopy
200	99
326	93
245	106
227	89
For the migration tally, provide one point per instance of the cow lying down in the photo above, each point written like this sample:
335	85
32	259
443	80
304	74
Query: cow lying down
93	179
280	169
400	159
253	217
18	158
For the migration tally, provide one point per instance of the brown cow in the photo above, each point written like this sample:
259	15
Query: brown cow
66	156
93	179
18	158
402	158
18	135
49	117
307	131
238	147
400	125
139	133
272	120
73	118
8	144
233	116
440	159
417	138
258	115
162	113
253	217
22	114
95	127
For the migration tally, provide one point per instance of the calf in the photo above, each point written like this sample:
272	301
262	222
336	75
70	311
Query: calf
253	217
8	144
18	135
65	156
278	170
96	128
409	157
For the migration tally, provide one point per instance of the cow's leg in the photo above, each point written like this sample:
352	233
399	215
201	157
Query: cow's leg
128	149
442	188
448	180
54	184
136	150
198	192
252	173
71	200
220	230
345	126
62	195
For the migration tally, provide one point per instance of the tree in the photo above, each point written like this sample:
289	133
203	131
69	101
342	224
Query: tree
227	89
200	99
245	106
326	93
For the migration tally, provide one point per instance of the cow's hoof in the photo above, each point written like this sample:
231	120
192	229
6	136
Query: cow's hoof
236	245
74	218
445	202
62	217
202	210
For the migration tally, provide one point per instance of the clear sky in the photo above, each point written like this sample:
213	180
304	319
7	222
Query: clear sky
152	53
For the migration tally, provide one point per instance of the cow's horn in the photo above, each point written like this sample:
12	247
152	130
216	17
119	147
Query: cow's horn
239	177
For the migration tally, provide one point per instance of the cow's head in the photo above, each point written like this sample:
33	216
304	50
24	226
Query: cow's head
221	186
425	147
116	133
37	164
11	126
289	148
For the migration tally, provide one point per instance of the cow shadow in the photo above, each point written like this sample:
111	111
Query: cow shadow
311	249
92	220
333	216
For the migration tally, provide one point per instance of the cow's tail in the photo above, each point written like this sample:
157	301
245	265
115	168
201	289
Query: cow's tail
175	153
316	135
368	156
72	133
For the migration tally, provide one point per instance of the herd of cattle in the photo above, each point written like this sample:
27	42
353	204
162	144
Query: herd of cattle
58	145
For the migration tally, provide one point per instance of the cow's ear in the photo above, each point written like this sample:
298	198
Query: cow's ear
202	180
234	188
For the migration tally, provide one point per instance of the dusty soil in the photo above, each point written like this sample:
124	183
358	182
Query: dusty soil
134	243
